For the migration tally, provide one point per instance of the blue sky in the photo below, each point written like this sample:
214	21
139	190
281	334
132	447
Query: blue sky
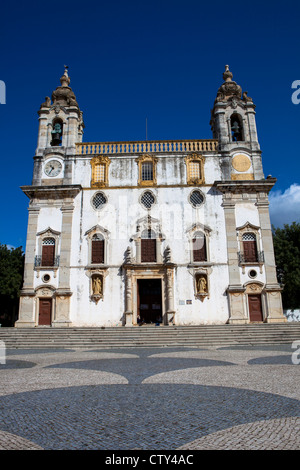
161	60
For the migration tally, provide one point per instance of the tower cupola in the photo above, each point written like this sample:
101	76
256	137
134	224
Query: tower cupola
61	122
233	115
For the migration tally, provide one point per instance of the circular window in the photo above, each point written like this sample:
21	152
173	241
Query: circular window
46	278
252	273
147	200
98	200
196	198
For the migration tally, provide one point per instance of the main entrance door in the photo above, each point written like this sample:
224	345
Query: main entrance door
149	301
255	308
45	307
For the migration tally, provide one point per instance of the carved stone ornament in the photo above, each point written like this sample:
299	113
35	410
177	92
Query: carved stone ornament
128	255
47	103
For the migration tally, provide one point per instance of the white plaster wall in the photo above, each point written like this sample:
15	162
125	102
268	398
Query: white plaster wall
119	217
213	310
123	170
246	212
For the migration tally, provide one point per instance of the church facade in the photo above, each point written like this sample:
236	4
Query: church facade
164	232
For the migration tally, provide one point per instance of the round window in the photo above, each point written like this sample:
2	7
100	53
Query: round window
196	198
98	200
46	278
252	273
147	200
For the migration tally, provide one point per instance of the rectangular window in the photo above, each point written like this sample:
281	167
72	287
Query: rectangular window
97	251
195	170
148	250
99	173
147	171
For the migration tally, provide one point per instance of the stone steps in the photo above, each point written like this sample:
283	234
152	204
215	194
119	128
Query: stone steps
150	336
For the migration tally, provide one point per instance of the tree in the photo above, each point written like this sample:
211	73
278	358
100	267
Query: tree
287	254
11	278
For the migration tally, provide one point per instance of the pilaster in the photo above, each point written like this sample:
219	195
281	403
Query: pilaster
27	294
235	290
272	288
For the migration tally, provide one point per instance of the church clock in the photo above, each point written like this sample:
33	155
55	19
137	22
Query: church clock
53	168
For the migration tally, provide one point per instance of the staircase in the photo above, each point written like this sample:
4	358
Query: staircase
150	336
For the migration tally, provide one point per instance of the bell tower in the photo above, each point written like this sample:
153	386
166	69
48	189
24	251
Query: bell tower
60	128
246	207
233	124
46	294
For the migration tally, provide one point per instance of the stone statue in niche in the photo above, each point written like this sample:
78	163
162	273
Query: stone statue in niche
201	285
97	285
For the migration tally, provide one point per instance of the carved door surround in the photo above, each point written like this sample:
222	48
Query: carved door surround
132	274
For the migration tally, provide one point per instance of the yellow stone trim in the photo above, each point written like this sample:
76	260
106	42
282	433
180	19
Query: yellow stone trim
147	158
95	161
191	180
242	176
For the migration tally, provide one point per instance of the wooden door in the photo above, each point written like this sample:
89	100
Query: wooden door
45	308
255	308
149	300
48	255
250	251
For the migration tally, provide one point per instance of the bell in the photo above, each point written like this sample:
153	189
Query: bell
56	135
235	128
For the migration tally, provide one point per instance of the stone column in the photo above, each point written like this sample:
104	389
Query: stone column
128	299
272	288
235	289
63	293
27	294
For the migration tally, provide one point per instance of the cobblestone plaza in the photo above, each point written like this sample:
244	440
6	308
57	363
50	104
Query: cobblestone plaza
235	398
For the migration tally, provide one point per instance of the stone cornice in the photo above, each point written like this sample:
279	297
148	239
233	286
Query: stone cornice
52	192
249	186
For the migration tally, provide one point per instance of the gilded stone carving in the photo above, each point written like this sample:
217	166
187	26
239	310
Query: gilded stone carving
100	165
241	162
195	169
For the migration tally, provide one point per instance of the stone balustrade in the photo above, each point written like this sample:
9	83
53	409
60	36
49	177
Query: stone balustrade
147	146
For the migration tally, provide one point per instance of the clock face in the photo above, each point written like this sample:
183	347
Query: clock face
53	168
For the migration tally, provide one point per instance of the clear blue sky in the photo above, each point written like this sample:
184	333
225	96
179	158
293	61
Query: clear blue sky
161	60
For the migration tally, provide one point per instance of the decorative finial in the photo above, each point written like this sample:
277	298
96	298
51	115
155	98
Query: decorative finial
65	79
227	75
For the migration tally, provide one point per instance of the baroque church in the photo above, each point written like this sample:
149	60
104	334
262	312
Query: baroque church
149	232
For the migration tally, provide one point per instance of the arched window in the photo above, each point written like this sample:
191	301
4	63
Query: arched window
250	247
148	246
199	247
57	132
48	251
97	255
236	128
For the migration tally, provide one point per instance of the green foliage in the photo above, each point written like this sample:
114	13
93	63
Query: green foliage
11	278
287	254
